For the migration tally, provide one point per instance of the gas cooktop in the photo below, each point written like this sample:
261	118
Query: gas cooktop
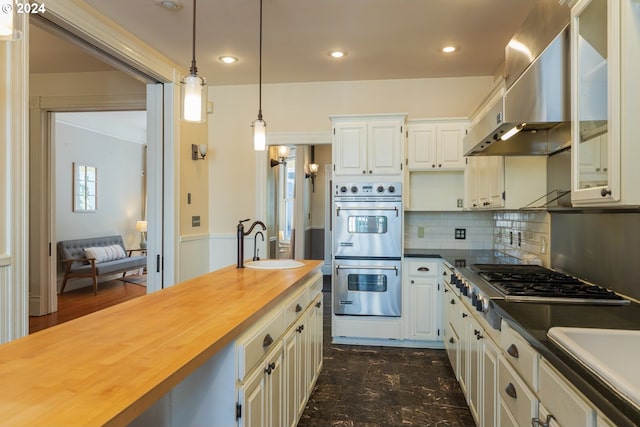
533	283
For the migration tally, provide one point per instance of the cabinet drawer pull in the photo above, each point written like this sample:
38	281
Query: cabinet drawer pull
300	328
452	341
453	302
511	391
318	304
267	340
465	315
513	351
298	308
423	269
446	290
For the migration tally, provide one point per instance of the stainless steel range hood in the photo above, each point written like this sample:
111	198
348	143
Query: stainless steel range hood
536	106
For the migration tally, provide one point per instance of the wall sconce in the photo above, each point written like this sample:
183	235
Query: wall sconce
198	152
313	172
283	153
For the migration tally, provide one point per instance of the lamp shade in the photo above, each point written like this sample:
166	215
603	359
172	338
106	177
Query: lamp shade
141	226
194	99
259	135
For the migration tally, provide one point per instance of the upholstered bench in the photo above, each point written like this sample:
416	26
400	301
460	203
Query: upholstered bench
95	257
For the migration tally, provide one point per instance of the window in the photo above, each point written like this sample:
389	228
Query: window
85	185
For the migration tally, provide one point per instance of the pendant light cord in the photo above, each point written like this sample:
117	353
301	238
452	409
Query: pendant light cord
194	69
260	69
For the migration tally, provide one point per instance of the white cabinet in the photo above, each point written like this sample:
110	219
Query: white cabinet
489	408
261	394
435	145
605	101
368	145
422	299
494	182
562	400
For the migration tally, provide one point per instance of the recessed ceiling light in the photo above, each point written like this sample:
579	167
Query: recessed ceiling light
337	54
449	49
169	4
228	59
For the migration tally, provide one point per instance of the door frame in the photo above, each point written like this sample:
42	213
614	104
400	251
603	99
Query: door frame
42	249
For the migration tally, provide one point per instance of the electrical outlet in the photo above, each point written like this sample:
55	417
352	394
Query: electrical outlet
195	221
420	232
460	203
460	233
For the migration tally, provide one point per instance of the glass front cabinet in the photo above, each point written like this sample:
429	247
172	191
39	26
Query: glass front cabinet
605	78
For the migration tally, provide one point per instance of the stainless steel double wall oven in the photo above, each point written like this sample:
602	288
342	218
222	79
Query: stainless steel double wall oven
367	249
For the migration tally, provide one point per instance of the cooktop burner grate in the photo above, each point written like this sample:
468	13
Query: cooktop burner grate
535	283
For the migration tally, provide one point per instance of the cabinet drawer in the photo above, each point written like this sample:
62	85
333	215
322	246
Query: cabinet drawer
561	400
256	342
296	306
515	395
422	268
520	355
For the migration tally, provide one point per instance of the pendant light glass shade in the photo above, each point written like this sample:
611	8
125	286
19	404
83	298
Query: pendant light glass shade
259	135
194	98
259	125
194	87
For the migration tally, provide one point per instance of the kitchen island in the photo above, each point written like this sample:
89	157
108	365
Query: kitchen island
108	367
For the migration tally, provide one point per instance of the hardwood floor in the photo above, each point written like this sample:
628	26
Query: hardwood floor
80	302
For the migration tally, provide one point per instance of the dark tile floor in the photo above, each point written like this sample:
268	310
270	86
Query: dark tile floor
363	386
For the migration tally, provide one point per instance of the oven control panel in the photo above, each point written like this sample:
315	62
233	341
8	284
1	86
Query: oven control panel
360	189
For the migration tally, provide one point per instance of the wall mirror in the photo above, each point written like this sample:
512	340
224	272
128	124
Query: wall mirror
85	188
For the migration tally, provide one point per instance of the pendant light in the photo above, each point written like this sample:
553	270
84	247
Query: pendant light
194	87
259	125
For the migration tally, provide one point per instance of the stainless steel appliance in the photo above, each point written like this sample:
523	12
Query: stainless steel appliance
367	287
533	283
367	249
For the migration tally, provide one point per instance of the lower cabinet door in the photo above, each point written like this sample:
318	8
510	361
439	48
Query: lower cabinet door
253	401
261	395
452	345
488	414
291	378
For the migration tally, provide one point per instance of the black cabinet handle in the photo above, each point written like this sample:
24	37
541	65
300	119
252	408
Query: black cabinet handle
268	340
465	315
511	391
412	282
423	269
270	367
318	304
298	308
446	290
451	340
513	351
453	302
300	328
605	192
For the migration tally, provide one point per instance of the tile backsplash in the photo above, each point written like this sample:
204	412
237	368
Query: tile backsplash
523	234
436	230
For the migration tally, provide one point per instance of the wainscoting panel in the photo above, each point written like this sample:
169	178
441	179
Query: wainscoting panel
223	249
194	256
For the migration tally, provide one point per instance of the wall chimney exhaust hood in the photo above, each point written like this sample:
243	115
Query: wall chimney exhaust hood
533	116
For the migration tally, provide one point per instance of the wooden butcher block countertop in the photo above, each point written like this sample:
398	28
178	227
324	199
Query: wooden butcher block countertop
108	367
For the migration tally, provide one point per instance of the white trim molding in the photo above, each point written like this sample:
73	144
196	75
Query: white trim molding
299	138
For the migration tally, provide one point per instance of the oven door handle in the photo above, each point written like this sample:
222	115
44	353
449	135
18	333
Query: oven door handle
365	267
397	211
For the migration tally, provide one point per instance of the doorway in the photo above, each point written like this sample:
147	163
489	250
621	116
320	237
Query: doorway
113	90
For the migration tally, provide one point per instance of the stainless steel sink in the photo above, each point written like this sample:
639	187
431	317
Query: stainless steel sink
274	264
612	354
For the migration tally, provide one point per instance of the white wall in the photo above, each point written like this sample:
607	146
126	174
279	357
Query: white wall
305	107
120	186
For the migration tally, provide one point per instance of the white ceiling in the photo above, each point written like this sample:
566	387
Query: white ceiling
385	39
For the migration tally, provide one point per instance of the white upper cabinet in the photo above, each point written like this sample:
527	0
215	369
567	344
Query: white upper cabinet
605	45
368	145
435	145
